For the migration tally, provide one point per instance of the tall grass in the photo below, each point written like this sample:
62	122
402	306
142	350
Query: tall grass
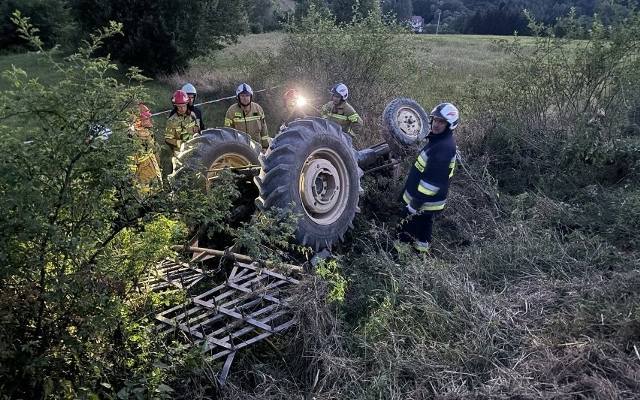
532	289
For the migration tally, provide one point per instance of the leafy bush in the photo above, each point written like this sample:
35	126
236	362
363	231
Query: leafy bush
76	235
562	107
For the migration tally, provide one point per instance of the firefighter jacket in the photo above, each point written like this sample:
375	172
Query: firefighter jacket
180	128
250	120
428	181
198	113
144	163
344	115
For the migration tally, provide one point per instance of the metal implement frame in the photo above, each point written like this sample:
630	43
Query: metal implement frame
248	307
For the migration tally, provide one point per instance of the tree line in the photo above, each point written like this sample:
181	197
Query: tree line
497	17
158	36
161	36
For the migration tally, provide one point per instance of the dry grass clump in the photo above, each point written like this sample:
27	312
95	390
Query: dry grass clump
207	82
311	359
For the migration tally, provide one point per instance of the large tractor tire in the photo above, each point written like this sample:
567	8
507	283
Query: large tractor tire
213	150
406	124
312	164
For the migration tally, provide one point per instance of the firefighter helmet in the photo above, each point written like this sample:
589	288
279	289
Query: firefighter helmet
180	97
145	113
448	112
244	88
341	90
189	89
145	116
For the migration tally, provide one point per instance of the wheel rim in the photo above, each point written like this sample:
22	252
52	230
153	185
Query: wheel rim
227	160
323	186
409	122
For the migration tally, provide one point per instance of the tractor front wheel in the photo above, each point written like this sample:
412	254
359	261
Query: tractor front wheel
313	166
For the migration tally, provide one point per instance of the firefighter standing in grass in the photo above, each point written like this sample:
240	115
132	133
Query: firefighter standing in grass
341	112
426	188
181	126
144	163
247	116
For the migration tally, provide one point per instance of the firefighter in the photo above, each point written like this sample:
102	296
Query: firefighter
181	126
144	163
426	188
246	115
341	112
190	90
294	105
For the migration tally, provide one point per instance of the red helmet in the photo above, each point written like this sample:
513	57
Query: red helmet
290	94
145	113
180	97
145	116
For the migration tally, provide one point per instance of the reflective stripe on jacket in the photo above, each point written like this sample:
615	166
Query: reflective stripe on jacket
427	185
197	112
250	120
344	115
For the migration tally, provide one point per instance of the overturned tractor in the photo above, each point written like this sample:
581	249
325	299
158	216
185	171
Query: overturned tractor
234	301
311	164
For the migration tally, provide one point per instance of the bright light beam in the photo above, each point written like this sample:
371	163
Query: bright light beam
301	101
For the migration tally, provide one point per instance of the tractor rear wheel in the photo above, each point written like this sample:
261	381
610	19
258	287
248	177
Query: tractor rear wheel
207	154
313	166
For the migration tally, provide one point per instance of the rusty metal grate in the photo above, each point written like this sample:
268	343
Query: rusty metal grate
247	307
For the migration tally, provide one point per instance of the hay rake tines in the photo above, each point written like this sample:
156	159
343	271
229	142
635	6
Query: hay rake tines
249	306
170	274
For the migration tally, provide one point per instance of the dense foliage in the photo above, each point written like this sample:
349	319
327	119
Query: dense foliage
481	16
158	36
76	234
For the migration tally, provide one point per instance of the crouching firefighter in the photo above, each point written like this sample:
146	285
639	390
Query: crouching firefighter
426	188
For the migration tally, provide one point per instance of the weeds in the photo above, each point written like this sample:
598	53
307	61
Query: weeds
532	287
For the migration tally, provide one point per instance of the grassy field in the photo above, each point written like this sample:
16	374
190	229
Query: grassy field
33	63
446	64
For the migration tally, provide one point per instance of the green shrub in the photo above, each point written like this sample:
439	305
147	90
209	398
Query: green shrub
76	236
562	107
363	53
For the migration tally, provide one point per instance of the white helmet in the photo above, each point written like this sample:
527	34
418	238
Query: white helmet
340	89
189	89
244	88
448	112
